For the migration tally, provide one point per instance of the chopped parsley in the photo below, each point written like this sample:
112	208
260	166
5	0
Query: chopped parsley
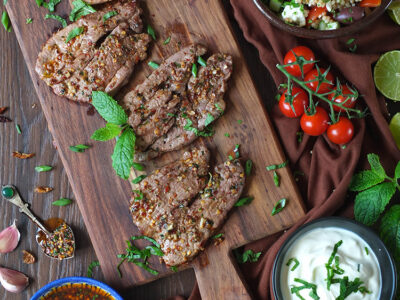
296	263
279	166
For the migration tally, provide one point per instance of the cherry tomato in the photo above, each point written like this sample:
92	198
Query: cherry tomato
315	124
290	57
300	102
325	86
370	3
341	132
314	14
345	99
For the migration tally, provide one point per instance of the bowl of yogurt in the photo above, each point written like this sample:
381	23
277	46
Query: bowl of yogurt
334	258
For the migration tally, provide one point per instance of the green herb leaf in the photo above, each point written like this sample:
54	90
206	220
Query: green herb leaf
166	42
143	237
364	180
79	148
58	18
43	168
174	269
74	33
276	179
62	202
39	3
247	256
28	20
194	70
248	167
348	287
279	206
296	263
209	119
279	166
376	166
5	2
227	134
51	5
107	133
217	236
138	179
18	128
370	203
397	172
201	61
244	201
153	64
5	20
122	158
389	231
219	108
239	122
80	9
151	32
138	166
91	266
349	41
109	14
108	108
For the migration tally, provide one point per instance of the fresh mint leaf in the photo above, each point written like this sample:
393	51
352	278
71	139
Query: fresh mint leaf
79	148
376	166
62	202
80	9
5	20
244	201
369	204
209	119
108	108
122	158
390	230
107	133
247	256
109	14
364	180
58	18
74	33
397	172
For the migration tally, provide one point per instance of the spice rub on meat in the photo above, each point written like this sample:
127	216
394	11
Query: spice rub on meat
87	62
184	218
172	107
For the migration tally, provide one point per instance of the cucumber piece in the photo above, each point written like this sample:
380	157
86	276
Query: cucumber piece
275	5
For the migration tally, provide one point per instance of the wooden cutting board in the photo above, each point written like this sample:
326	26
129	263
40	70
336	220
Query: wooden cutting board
103	198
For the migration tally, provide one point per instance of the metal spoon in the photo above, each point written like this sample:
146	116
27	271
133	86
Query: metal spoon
10	193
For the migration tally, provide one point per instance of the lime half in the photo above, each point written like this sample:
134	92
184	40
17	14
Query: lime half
387	75
395	128
394	11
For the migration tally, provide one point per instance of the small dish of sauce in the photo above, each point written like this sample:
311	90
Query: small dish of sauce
77	291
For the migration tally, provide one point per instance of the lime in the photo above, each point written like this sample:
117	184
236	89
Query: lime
395	128
394	11
387	75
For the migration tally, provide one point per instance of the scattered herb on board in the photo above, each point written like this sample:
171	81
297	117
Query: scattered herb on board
5	20
279	166
151	32
375	190
79	148
279	206
244	201
227	134
28	20
80	9
201	61
296	263
42	189
62	202
350	42
153	64
174	269
236	151
138	166
217	236
51	5
91	266
140	256
58	18
167	40
43	168
239	122
247	256
304	285
114	114
300	135
109	14
248	167
74	33
138	179
276	179
21	155
194	70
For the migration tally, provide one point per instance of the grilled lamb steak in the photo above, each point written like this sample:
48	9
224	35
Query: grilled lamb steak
180	227
76	68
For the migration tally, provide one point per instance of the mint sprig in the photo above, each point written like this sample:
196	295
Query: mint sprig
114	114
375	188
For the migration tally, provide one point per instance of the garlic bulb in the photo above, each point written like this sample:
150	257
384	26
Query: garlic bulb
13	281
9	238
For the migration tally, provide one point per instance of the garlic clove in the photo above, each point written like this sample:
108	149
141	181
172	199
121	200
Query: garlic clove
9	238
13	281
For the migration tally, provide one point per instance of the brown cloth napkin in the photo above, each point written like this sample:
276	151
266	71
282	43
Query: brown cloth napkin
327	167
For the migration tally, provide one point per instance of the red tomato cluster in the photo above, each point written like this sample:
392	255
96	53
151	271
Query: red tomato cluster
317	123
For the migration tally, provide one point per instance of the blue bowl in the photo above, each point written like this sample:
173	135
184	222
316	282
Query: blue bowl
59	282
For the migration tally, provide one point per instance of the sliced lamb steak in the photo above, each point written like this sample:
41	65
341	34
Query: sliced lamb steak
183	230
76	68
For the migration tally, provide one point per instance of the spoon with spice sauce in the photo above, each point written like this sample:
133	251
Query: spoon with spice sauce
58	243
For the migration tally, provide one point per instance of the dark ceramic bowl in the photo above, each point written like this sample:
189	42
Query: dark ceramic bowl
322	34
385	260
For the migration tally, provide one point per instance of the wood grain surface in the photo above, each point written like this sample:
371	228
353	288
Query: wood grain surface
103	198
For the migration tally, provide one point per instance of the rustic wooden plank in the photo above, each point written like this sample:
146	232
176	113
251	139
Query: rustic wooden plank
103	198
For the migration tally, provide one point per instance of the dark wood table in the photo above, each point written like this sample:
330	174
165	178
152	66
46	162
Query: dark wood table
17	93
